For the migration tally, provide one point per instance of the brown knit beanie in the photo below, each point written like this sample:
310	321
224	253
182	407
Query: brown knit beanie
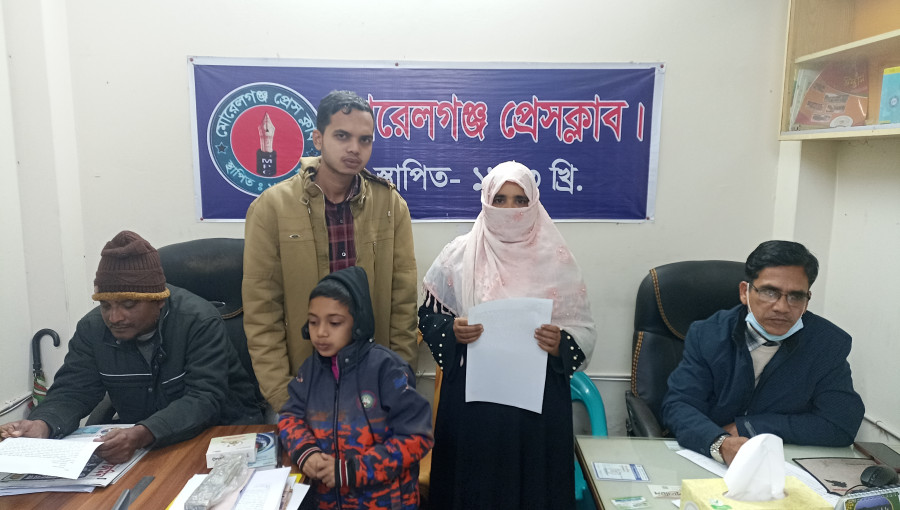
129	269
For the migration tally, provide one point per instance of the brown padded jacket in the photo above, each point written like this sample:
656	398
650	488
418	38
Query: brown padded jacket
286	254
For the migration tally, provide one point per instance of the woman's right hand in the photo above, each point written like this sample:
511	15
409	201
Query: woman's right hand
466	334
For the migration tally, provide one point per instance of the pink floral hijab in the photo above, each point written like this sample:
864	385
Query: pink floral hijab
514	253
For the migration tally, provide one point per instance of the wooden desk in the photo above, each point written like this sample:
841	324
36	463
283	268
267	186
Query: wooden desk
663	466
172	466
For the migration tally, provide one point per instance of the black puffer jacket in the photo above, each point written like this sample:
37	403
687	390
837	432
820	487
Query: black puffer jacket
194	380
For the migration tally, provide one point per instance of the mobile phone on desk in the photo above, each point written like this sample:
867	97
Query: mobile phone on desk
881	453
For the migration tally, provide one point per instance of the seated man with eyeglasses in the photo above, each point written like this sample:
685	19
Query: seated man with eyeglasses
766	366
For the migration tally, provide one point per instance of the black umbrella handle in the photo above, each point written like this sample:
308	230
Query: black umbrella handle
36	346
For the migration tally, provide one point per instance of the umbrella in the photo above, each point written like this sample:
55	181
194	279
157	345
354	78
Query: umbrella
39	391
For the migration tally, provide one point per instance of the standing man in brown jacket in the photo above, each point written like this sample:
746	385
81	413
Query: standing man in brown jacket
333	214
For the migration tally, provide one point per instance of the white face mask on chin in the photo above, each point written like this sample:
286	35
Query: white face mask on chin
751	319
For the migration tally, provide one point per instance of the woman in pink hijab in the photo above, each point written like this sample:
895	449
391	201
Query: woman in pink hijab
487	455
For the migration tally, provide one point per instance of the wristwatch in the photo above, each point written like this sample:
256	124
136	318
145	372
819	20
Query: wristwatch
714	448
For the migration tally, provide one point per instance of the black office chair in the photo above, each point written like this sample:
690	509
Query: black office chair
212	269
669	299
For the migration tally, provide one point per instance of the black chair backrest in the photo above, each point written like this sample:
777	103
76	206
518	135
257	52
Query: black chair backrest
669	299
213	269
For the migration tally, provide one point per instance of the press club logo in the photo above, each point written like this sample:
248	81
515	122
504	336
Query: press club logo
258	133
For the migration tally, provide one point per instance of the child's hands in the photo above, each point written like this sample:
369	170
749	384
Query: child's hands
320	466
313	465
326	473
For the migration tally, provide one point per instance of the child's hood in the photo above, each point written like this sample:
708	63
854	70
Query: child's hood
357	284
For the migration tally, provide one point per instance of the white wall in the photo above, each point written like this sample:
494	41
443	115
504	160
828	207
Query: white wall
842	199
14	310
102	130
864	274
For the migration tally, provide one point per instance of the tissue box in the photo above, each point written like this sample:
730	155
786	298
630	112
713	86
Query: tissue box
709	494
241	444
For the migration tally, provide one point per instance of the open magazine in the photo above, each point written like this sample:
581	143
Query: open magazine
96	472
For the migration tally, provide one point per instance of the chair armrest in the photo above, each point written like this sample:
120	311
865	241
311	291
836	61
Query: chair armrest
641	422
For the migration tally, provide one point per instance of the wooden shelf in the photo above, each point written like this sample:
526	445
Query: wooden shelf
879	45
839	31
884	130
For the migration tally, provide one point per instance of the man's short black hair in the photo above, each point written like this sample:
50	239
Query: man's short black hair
340	101
781	253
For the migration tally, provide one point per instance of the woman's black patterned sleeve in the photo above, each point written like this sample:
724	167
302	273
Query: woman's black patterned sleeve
436	325
570	355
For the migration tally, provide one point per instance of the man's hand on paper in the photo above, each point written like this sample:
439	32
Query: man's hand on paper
25	428
119	444
466	334
732	444
548	337
730	447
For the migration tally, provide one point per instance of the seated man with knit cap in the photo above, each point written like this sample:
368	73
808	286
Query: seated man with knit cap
161	352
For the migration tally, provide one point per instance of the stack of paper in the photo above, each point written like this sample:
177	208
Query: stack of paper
272	489
69	465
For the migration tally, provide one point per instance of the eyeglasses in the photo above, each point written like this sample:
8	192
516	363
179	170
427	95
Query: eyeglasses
768	295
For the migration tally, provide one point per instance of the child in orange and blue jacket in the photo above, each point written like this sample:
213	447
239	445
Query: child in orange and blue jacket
354	423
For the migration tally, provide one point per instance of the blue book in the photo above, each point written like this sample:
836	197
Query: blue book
889	112
265	451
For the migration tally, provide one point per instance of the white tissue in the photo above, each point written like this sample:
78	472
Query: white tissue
757	471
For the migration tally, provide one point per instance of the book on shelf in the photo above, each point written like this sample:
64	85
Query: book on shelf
834	95
889	112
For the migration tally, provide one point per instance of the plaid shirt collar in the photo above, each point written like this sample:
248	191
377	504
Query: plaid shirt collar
755	340
354	190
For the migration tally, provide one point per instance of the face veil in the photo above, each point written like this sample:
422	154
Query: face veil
512	253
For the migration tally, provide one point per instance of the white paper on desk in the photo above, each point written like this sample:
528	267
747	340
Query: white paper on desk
620	472
178	503
716	468
189	488
505	364
261	496
50	457
297	494
264	490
